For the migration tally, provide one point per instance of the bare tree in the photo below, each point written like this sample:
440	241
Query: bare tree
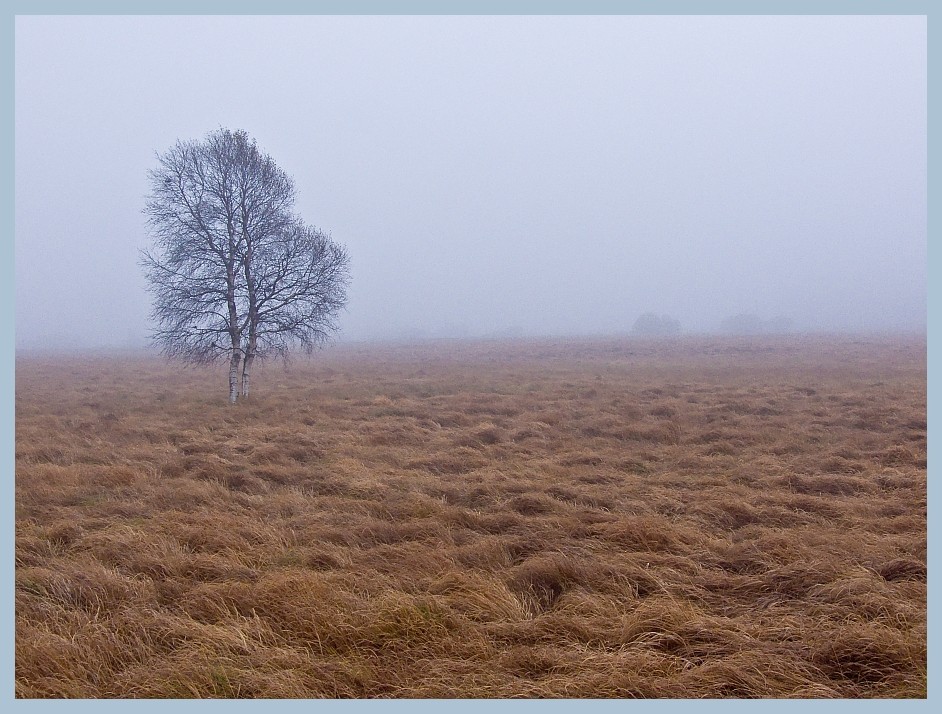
233	272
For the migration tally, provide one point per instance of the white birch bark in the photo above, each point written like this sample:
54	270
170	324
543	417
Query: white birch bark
234	375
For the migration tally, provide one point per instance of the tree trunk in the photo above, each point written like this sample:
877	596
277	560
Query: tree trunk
246	369
234	375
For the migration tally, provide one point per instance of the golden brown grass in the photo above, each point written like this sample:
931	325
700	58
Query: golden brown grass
689	518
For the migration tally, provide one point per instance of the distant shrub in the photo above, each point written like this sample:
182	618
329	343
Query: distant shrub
652	325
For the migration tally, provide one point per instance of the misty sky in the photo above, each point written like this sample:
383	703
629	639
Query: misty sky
546	175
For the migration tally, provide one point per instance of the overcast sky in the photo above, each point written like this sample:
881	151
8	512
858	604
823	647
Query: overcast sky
546	175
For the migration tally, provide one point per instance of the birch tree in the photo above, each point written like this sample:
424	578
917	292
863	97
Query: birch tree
235	275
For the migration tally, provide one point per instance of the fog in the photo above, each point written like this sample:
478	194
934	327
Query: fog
496	175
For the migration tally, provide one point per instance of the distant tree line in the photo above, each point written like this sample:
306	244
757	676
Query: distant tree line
651	324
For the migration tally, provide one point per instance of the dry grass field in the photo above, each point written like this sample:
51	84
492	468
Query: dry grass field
607	518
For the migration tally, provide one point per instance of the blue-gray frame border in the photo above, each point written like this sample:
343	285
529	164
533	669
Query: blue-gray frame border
408	7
